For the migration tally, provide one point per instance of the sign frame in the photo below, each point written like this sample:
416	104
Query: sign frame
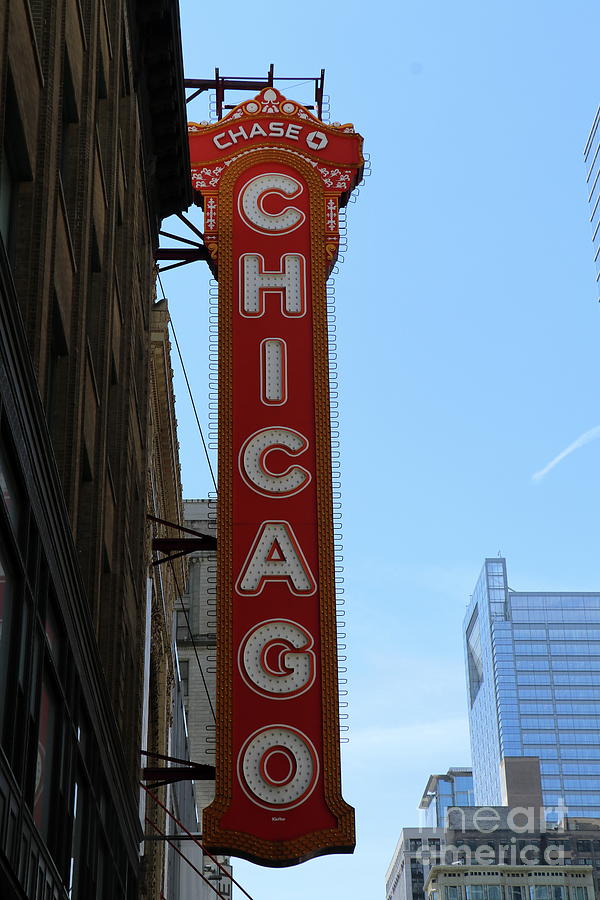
339	836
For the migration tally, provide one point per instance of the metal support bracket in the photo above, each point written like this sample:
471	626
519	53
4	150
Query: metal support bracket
181	546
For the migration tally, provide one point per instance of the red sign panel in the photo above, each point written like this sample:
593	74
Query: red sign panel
272	178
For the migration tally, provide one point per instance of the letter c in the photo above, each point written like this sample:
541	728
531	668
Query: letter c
251	204
253	462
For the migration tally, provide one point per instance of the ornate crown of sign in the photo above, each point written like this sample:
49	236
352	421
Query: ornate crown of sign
270	102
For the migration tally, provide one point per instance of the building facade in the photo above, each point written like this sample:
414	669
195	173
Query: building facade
455	788
509	883
93	143
196	646
164	732
514	834
533	679
179	880
417	850
591	156
498	837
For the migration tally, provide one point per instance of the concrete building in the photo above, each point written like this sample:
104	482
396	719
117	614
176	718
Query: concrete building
490	838
93	154
196	645
164	732
180	881
495	837
533	678
455	788
509	883
417	850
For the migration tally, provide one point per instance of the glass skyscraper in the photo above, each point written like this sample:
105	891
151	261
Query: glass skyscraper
533	677
455	788
591	156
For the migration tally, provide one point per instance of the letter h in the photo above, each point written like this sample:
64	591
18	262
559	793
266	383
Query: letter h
289	282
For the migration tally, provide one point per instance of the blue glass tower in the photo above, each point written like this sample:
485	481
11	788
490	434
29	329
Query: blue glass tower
533	678
591	156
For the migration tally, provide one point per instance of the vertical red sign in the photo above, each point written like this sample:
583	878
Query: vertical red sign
272	178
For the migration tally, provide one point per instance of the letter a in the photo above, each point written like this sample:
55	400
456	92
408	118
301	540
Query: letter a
276	556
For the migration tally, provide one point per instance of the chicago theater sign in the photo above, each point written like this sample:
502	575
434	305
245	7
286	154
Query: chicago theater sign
272	178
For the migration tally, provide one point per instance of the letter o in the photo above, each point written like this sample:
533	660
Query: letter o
278	767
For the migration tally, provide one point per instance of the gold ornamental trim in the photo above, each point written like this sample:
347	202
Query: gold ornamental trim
341	838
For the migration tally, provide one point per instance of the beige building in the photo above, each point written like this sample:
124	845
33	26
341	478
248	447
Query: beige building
164	869
510	883
196	646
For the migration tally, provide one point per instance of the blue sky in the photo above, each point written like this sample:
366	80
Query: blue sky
468	333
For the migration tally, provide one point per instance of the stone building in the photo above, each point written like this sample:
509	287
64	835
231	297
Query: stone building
196	645
163	720
509	883
198	672
93	154
516	834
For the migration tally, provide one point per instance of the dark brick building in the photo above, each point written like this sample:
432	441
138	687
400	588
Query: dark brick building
93	154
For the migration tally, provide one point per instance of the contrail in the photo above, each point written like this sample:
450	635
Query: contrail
584	438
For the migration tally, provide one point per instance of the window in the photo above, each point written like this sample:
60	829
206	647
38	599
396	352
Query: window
182	626
541	892
56	381
475	662
7	190
6	617
451	893
10	489
494	892
68	144
475	891
414	844
184	671
14	161
45	768
553	784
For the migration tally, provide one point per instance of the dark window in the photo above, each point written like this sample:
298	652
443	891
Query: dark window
7	191
183	633
6	626
184	670
10	489
14	163
56	384
45	766
69	136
